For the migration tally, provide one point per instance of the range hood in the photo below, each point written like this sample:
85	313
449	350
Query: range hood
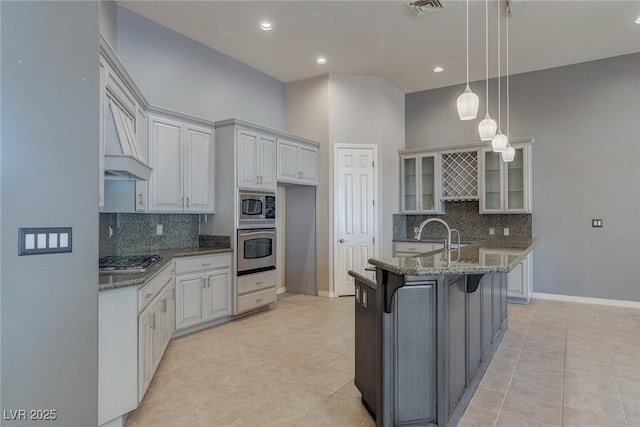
122	159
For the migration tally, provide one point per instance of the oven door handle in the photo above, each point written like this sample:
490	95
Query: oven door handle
254	233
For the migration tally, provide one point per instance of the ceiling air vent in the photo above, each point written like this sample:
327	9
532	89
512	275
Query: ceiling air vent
422	7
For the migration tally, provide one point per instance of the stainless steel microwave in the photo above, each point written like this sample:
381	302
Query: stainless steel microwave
256	209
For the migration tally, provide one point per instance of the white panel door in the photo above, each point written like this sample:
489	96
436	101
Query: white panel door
189	292
199	155
165	149
308	166
217	299
354	191
268	163
248	158
288	161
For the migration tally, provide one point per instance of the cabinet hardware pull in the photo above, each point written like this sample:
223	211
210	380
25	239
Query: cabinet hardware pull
140	202
147	295
259	283
188	203
259	300
203	284
257	179
206	263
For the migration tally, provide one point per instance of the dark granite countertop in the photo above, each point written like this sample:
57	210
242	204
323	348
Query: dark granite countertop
489	256
114	281
364	279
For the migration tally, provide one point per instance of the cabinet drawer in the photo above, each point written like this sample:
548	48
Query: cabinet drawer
256	299
256	282
202	263
151	289
415	248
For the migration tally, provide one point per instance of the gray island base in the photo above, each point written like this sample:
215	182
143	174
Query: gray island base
425	335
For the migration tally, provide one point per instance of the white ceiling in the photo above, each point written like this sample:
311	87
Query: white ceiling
384	38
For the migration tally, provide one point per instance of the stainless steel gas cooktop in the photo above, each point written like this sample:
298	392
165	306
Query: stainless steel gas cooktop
127	263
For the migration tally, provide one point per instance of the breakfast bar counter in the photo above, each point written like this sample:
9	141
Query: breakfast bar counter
427	328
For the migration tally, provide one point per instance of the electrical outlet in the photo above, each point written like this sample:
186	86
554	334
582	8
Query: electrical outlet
596	223
492	231
159	230
506	231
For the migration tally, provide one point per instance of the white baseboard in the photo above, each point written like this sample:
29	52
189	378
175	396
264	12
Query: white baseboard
281	290
588	300
326	294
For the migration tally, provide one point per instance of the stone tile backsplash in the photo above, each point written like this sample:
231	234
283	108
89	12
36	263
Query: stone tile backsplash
135	232
465	217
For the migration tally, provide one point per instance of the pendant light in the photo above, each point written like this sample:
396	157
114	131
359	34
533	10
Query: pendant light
487	127
500	141
509	153
468	102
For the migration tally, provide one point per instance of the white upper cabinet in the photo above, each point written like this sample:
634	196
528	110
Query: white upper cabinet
182	157
256	161
297	162
506	187
420	183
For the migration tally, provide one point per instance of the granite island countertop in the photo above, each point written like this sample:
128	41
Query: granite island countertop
121	280
489	256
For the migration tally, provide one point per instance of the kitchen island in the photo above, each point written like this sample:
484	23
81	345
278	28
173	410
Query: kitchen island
427	328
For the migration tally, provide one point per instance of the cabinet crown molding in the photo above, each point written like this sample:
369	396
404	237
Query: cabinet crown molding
463	147
262	129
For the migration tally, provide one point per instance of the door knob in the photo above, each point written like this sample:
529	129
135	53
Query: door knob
341	240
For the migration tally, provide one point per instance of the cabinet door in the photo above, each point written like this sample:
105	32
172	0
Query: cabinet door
514	282
491	182
158	332
217	296
141	204
308	165
165	150
145	351
457	342
409	176
427	185
189	292
248	160
516	188
268	163
199	168
288	170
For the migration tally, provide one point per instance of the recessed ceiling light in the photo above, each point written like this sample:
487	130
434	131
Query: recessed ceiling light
637	21
438	70
321	60
266	26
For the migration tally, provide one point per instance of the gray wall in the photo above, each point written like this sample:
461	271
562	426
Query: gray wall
49	178
175	72
586	122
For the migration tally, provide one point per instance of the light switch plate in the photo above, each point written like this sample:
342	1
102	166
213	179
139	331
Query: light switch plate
44	240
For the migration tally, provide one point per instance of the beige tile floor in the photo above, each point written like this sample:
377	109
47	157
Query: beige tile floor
559	364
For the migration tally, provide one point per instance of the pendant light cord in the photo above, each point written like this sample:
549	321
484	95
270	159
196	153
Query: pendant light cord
467	43
507	74
486	51
499	77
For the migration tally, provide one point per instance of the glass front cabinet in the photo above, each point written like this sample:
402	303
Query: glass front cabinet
506	187
420	182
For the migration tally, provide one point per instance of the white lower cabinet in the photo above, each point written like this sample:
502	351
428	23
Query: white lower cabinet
203	289
117	354
155	325
256	290
519	280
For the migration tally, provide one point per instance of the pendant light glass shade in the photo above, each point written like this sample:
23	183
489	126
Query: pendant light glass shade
468	104
499	142
487	128
508	154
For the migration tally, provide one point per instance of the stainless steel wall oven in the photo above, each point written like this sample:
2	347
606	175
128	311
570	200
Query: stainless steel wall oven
256	250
